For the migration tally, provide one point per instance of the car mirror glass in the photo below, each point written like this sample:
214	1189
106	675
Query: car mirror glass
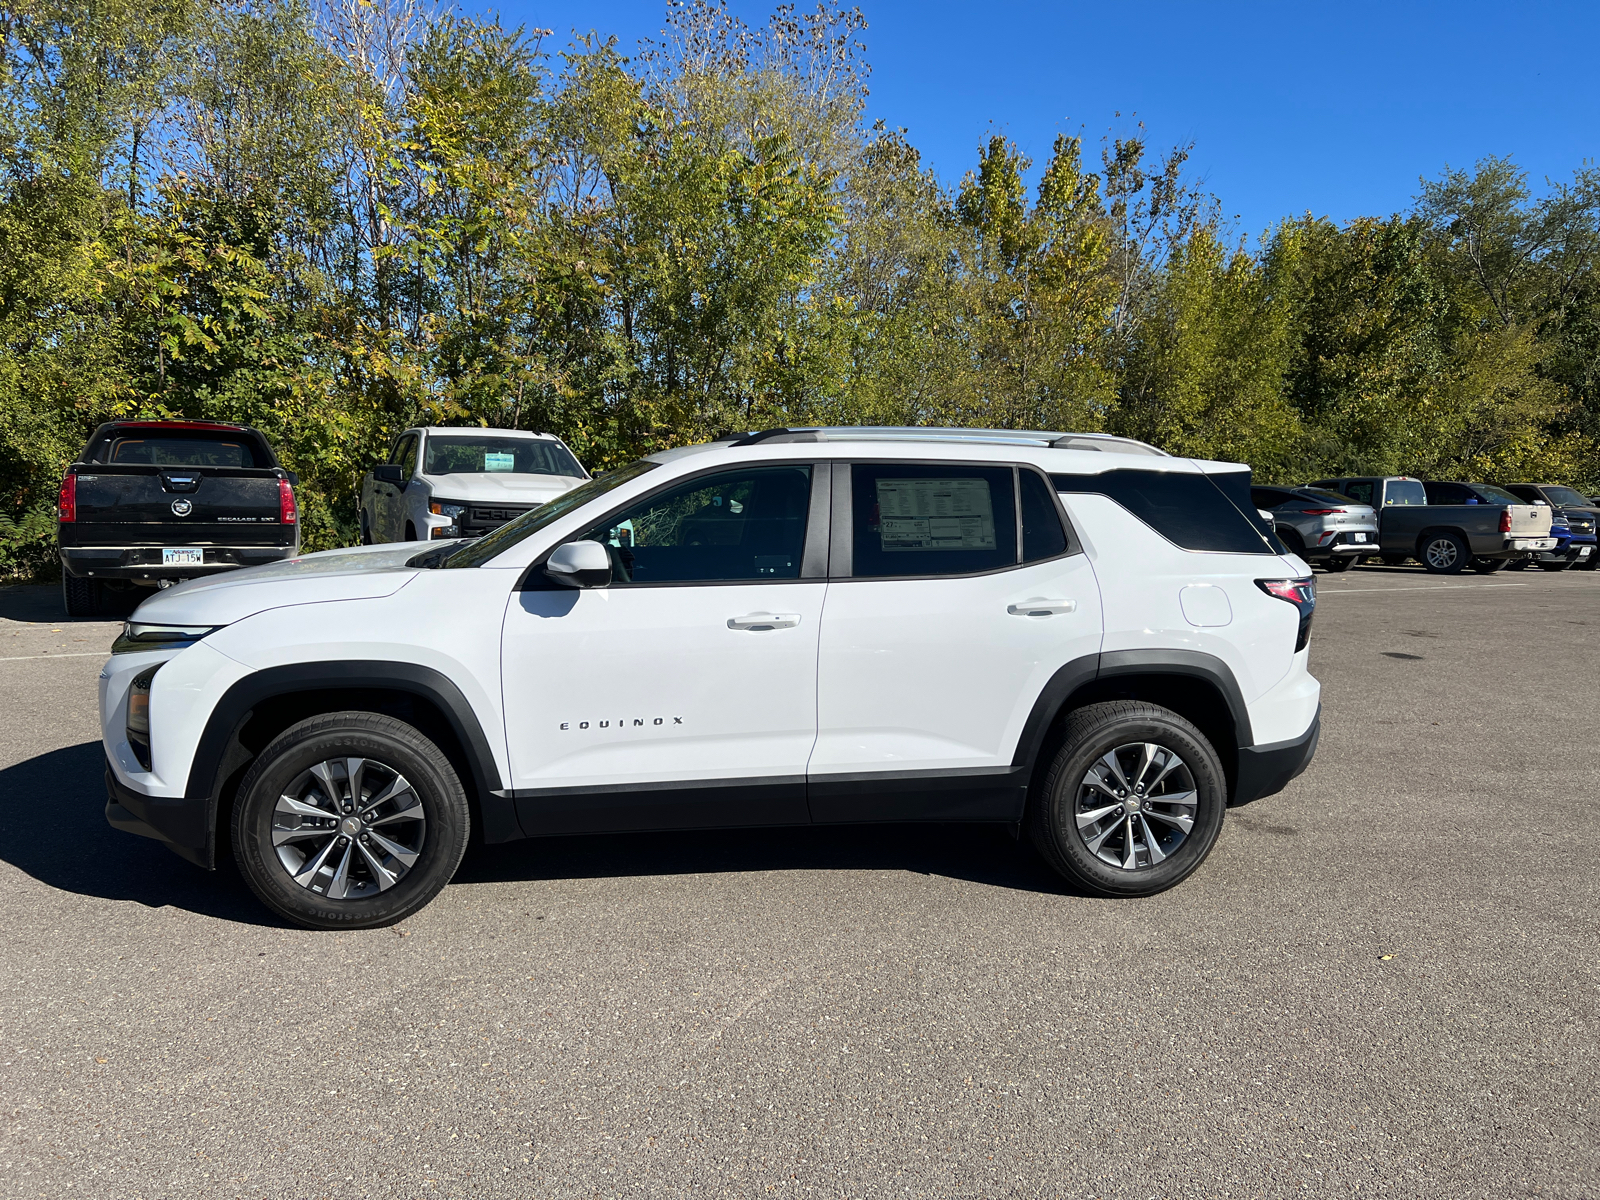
580	565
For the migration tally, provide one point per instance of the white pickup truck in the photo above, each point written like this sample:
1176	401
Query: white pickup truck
440	482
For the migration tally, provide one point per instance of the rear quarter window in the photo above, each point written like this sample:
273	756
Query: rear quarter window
1190	511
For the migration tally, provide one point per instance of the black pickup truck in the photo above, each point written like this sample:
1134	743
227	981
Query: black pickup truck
152	503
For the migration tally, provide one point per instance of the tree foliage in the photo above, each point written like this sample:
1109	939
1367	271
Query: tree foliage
334	218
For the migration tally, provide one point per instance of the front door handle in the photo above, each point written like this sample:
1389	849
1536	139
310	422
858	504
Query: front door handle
759	622
1041	608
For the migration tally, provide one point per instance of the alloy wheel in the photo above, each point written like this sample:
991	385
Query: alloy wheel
1441	553
348	828
1136	805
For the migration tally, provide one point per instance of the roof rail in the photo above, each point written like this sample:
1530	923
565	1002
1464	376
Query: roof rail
1109	443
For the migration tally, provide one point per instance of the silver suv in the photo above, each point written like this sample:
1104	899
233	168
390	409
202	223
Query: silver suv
1324	528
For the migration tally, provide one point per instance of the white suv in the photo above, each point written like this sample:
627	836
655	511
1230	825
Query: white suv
449	483
1071	632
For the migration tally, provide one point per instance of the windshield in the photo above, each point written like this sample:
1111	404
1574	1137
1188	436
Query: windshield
475	554
1565	495
1496	495
1404	491
489	455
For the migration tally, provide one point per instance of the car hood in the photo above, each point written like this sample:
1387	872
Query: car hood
495	488
360	573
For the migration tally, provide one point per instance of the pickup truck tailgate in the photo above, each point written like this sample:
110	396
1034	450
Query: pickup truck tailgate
136	504
1530	520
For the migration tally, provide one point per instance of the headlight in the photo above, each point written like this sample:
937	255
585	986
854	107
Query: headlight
139	715
443	508
137	635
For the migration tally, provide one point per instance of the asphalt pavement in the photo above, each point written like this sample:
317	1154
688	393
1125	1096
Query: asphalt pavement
1383	982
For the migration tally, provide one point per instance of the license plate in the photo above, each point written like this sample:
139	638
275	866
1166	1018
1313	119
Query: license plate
1583	551
1361	537
182	558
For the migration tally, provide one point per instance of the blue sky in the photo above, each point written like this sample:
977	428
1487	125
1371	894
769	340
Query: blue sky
1335	109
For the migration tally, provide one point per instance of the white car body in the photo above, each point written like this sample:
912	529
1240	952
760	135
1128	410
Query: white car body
425	503
822	696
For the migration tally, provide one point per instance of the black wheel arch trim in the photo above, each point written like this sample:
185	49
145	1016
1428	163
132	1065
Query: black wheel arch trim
230	712
1193	664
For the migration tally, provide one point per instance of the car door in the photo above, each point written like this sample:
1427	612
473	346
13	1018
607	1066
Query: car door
684	693
387	521
957	596
406	527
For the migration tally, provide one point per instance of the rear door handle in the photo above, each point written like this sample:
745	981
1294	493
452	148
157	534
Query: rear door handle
1041	608
759	622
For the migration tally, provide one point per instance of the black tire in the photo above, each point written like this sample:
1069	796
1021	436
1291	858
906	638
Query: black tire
366	529
1339	562
1444	553
1518	564
1098	730
1394	560
1556	566
1292	541
411	532
438	839
80	597
1488	566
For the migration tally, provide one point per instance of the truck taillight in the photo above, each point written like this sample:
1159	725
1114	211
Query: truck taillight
67	501
1505	520
288	514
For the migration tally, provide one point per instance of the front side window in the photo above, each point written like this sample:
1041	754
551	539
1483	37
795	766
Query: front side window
406	454
735	526
454	454
939	519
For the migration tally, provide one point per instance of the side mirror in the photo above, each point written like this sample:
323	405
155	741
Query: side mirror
389	473
580	565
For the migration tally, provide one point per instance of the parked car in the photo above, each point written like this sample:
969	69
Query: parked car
1322	527
1575	544
151	503
1097	643
448	483
1563	551
1583	512
1446	538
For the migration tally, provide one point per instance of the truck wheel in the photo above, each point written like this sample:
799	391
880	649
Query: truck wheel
80	597
1444	553
1132	803
1488	566
411	532
1556	566
349	820
366	529
1339	562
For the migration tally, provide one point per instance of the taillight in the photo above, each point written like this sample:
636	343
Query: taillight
1505	520
67	500
1321	512
288	514
1302	593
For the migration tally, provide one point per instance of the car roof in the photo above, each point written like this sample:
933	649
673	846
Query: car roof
1075	453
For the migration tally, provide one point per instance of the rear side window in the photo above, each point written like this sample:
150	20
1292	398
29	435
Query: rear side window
1042	533
176	450
941	519
1188	510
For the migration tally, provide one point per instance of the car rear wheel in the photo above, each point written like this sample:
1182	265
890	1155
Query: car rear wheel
1133	801
1340	562
80	597
349	821
1444	553
1488	566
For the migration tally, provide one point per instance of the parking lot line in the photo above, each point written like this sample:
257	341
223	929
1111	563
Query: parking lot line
1426	587
74	654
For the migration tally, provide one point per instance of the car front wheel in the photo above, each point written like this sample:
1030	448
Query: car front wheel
1444	553
1133	802
348	821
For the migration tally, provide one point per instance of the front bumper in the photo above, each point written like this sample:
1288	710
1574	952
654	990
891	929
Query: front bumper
181	824
144	562
1267	770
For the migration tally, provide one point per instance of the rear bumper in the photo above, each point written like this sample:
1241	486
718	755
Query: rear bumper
181	824
144	562
1267	770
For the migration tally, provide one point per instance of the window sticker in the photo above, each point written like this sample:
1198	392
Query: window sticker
494	461
935	514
